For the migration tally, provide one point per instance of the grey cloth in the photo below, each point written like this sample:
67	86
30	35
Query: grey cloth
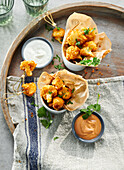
67	153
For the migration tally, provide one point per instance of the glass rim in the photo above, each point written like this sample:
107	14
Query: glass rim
35	6
8	9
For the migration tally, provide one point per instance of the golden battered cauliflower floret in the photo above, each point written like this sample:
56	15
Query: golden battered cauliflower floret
86	52
58	83
92	45
28	67
89	33
58	34
48	92
65	93
29	88
58	103
73	52
74	36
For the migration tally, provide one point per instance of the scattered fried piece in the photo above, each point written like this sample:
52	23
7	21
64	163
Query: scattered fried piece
58	83
86	51
58	34
28	67
65	93
76	36
58	103
48	92
29	88
91	44
89	33
73	52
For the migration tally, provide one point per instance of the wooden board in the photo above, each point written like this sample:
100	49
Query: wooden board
109	18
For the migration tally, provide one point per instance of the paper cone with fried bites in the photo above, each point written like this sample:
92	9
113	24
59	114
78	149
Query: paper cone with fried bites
72	81
78	21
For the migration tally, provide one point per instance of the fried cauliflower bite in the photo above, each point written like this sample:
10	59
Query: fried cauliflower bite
58	34
89	33
58	103
48	92
74	36
91	45
73	52
28	67
58	83
86	51
65	93
29	88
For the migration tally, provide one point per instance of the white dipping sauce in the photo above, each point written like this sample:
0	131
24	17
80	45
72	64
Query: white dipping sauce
38	51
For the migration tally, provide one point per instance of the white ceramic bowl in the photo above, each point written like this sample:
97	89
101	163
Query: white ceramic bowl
52	110
68	64
41	39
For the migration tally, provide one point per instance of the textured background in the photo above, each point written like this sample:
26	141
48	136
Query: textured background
7	35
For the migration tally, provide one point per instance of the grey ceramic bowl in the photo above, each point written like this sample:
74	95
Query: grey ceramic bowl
38	38
91	140
52	110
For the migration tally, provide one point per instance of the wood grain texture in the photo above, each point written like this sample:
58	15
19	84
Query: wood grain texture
109	18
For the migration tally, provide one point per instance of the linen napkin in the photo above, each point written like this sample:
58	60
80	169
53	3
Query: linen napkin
35	148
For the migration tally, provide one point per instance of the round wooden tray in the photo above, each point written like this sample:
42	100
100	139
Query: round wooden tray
109	18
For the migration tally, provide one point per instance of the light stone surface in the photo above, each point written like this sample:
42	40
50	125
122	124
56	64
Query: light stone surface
7	35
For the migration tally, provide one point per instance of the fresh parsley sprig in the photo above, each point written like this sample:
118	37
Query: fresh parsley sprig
93	62
57	57
59	67
46	117
90	109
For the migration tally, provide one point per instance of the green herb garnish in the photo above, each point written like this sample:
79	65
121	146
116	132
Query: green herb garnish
57	57
86	31
92	30
58	66
78	43
70	102
50	92
52	62
60	95
90	109
55	138
58	28
52	39
72	91
48	28
93	62
43	114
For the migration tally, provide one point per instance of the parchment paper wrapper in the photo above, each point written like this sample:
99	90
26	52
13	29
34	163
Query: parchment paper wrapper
72	81
77	21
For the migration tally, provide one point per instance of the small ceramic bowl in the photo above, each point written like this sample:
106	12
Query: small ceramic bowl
52	110
91	140
47	45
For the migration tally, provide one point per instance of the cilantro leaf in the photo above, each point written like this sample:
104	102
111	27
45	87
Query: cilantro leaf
69	102
86	31
90	109
97	107
95	61
72	91
33	104
85	116
58	66
42	112
56	138
58	28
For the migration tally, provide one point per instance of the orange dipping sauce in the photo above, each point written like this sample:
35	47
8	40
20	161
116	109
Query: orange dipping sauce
89	128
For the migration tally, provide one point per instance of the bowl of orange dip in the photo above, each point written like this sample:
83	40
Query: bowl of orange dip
88	130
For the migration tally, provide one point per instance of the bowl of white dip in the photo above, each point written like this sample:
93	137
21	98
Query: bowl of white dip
39	50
